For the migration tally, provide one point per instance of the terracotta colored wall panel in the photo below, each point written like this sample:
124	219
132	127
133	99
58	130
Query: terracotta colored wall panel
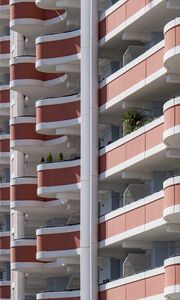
112	227
27	10
23	254
51	76
55	177
154	285
4	194
136	290
135	146
59	112
4	96
4	242
4	47
172	117
177	114
5	292
24	192
112	158
136	74
154	137
170	39
113	294
58	242
169	118
4	145
24	71
135	218
172	195
112	21
28	132
154	62
177	35
4	2
60	48
177	194
177	270
170	275
169	196
154	210
134	6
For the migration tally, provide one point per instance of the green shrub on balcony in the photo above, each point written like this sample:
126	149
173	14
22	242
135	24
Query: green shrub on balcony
42	159
49	158
132	120
61	157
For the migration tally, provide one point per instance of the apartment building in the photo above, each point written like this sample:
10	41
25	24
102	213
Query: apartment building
94	153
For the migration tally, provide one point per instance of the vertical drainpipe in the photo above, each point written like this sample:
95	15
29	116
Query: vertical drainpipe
89	150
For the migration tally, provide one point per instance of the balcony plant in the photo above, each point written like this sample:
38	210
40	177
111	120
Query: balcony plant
61	157
49	158
132	120
42	159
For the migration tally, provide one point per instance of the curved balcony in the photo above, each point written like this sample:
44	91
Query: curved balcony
172	279
28	81
29	141
69	295
29	20
26	137
5	290
24	198
24	194
58	177
172	46
142	145
58	242
4	51
4	9
172	123
141	76
4	149
4	100
23	255
58	52
4	244
4	196
60	115
54	4
171	200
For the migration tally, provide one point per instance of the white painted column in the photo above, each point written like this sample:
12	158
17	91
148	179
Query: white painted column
18	46
17	218
89	150
17	225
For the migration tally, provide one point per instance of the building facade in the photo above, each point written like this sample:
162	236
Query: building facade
90	168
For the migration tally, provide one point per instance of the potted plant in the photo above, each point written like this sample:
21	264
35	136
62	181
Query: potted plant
49	158
61	157
42	159
133	119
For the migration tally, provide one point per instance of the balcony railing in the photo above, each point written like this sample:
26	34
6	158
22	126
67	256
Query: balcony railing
134	192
